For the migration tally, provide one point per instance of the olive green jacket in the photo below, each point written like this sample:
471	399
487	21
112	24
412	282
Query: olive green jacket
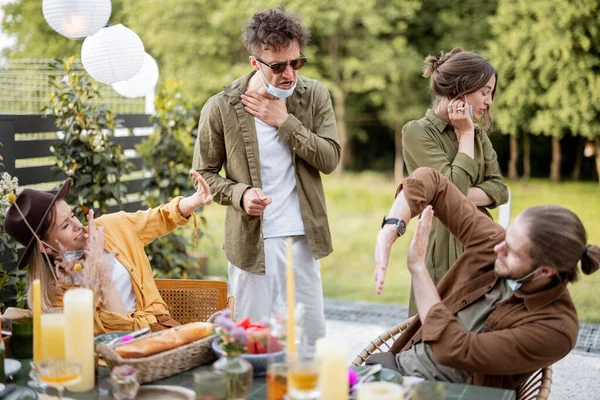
431	142
227	139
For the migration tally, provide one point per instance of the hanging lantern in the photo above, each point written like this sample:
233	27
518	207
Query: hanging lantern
113	54
141	84
76	19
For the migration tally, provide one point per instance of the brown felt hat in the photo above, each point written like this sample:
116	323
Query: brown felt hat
35	206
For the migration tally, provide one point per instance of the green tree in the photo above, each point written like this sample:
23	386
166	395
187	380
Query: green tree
548	57
166	155
353	51
86	153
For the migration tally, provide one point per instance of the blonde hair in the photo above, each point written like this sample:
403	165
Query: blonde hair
38	268
49	288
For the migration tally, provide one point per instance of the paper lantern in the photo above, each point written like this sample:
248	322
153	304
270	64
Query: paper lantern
113	54
76	18
141	84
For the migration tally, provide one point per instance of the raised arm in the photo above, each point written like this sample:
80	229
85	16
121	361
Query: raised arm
427	186
319	147
210	155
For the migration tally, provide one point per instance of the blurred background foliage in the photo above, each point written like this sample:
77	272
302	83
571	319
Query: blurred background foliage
369	54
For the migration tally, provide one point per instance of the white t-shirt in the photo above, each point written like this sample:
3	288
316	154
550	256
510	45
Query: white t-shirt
282	217
122	281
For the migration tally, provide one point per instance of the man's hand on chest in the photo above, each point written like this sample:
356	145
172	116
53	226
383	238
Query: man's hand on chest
272	111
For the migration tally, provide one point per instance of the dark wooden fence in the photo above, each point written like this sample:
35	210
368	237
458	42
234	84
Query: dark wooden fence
18	146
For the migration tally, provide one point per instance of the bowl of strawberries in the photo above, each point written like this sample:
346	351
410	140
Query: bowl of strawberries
261	344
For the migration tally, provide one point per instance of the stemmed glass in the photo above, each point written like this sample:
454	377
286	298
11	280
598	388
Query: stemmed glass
58	373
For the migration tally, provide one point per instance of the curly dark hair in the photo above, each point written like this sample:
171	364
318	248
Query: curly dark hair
274	29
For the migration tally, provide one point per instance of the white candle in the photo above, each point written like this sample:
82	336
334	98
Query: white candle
380	391
333	378
79	335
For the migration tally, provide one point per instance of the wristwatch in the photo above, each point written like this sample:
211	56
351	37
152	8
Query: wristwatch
397	222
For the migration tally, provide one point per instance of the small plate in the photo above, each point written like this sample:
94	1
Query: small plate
164	392
11	366
106	338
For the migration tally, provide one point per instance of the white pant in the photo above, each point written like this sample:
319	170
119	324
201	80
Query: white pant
257	295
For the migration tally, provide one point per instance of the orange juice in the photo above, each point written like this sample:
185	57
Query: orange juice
53	336
276	385
60	379
303	378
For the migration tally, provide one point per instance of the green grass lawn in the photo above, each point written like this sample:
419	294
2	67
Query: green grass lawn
356	203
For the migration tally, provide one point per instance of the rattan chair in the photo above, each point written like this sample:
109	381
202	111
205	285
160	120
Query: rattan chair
191	300
537	387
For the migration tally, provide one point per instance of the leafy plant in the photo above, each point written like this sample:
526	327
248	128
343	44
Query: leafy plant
86	153
8	246
13	288
166	154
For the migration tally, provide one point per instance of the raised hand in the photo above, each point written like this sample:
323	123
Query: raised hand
418	246
202	195
383	245
458	114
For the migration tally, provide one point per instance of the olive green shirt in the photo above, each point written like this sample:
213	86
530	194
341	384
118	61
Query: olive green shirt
431	142
227	139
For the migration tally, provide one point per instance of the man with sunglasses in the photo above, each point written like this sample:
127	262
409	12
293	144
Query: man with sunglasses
273	131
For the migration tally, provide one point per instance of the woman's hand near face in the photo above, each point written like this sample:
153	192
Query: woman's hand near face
458	114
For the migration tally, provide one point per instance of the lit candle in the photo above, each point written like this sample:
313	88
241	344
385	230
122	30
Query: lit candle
332	356
79	335
291	299
53	336
37	321
380	391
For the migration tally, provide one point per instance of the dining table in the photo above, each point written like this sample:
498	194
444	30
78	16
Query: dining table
102	389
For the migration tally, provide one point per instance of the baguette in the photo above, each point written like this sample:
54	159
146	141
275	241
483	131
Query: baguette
167	340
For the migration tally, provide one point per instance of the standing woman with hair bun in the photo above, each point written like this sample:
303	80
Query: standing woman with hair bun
452	138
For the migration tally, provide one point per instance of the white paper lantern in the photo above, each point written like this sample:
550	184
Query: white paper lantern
76	18
141	84
113	54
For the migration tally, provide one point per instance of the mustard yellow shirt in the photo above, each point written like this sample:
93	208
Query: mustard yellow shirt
125	236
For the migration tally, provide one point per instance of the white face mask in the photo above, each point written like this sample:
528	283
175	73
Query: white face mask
68	256
275	91
515	284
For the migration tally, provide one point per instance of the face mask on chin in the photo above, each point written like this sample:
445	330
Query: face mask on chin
515	284
275	91
68	256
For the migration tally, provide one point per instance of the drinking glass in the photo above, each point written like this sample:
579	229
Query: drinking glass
58	373
210	384
277	381
21	342
303	375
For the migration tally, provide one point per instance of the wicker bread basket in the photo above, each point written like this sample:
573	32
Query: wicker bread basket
164	364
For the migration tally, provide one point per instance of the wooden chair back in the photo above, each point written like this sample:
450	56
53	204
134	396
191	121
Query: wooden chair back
192	300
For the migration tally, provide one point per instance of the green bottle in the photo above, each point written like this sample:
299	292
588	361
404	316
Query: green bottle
2	376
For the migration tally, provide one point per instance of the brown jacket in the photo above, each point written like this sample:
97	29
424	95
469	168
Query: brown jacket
523	334
227	139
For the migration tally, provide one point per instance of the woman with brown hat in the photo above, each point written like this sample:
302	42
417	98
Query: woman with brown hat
51	233
452	138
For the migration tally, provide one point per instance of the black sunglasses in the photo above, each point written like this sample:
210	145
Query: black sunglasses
279	67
